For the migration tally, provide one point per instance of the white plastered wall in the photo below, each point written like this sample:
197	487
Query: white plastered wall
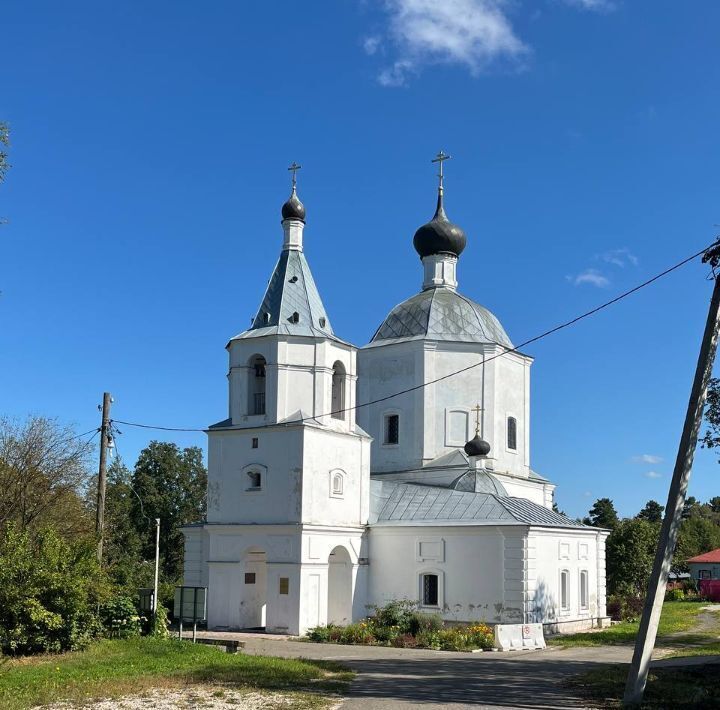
466	560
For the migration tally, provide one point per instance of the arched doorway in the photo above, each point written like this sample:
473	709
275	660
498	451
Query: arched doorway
339	587
253	589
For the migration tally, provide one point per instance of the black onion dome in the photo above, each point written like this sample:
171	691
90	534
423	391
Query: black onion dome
293	208
439	235
477	447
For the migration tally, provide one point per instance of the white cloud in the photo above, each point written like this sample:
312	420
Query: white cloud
471	33
371	45
653	474
619	257
590	276
647	458
591	4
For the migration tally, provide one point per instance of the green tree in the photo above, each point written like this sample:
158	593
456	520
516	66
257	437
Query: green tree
171	485
697	535
44	468
652	512
602	514
630	551
123	541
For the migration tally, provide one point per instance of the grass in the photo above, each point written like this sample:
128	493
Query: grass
694	687
123	667
676	618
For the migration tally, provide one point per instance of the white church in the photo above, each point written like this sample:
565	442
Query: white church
347	476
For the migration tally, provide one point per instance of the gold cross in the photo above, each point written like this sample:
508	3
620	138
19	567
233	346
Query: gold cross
294	168
477	411
441	157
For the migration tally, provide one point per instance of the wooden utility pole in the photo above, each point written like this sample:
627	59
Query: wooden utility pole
645	642
102	473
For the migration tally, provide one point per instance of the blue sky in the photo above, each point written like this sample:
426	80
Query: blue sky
150	145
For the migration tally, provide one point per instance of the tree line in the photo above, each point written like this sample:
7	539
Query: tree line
54	595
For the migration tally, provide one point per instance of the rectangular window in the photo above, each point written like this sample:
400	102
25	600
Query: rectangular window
430	589
704	574
259	403
512	433
584	589
284	585
392	429
255	442
564	590
249	577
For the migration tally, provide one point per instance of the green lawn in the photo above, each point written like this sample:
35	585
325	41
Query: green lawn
669	688
115	668
676	617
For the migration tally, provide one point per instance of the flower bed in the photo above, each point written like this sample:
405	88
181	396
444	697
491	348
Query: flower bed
400	624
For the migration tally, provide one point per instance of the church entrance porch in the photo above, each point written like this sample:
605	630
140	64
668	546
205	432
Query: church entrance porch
339	597
253	590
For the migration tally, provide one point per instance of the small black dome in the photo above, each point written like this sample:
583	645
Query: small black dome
293	208
477	447
439	235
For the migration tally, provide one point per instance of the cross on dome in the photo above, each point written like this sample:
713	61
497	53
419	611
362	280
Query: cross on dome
440	158
294	168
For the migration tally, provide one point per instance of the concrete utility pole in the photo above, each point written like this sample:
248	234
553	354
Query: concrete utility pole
102	473
645	642
157	565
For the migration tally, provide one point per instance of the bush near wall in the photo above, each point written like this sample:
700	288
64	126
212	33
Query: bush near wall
400	624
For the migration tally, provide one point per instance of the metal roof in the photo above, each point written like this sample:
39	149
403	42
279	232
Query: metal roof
412	504
441	314
291	291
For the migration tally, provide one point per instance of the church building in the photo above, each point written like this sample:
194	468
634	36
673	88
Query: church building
344	477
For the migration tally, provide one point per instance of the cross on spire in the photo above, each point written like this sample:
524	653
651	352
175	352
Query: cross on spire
294	168
440	158
478	409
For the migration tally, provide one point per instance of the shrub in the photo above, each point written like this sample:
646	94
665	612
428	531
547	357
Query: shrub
120	618
627	607
357	634
399	613
50	590
159	623
419	622
674	595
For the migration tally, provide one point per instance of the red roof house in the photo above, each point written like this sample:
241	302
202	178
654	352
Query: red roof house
706	570
713	557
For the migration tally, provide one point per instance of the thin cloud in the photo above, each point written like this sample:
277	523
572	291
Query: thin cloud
469	33
596	5
619	257
371	45
590	276
647	458
653	474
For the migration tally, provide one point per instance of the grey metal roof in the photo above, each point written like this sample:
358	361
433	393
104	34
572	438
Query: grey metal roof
479	481
441	314
411	504
291	290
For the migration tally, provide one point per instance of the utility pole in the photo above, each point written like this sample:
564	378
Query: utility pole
102	473
157	565
645	642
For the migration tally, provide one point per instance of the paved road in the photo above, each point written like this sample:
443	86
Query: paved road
398	679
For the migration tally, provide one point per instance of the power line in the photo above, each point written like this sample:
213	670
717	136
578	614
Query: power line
507	351
78	436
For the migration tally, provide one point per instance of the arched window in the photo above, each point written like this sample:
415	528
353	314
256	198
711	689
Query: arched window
584	589
337	403
565	590
512	433
256	385
337	484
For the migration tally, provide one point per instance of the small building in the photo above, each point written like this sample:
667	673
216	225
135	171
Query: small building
705	566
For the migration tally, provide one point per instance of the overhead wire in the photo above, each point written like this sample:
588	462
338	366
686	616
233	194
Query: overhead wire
506	351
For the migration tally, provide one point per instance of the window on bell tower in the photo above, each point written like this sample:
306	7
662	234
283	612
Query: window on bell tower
256	385
337	403
512	433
